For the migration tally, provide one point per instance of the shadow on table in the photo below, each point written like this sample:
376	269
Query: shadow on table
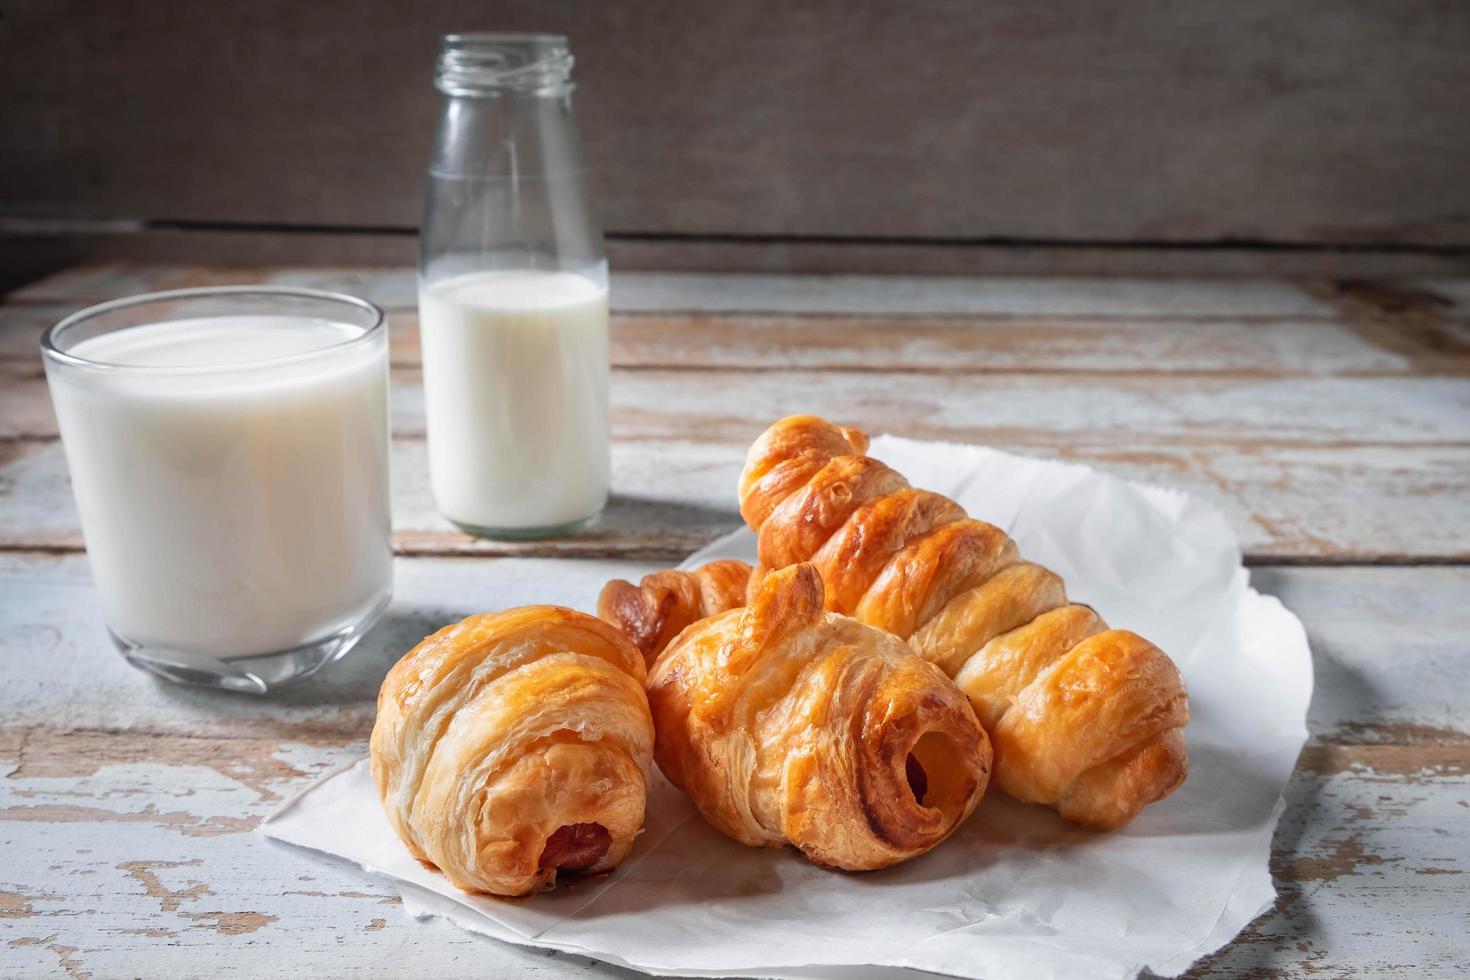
1281	935
1012	865
633	518
358	675
353	680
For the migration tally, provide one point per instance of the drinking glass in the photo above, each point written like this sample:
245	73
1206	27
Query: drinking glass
228	450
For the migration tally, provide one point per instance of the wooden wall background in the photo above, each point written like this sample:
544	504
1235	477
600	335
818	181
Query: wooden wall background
922	136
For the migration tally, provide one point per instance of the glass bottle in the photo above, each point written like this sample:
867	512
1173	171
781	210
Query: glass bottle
512	296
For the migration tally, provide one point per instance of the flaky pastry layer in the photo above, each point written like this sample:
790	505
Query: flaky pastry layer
662	604
786	723
1082	717
513	746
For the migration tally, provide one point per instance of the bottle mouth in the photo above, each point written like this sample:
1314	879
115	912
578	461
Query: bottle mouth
504	64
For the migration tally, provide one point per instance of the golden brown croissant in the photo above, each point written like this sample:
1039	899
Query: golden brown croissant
788	724
655	610
1082	717
511	746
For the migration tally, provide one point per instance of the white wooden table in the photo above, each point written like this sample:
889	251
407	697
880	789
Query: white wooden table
1329	421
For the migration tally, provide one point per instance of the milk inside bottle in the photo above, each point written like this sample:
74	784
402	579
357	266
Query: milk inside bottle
512	295
515	398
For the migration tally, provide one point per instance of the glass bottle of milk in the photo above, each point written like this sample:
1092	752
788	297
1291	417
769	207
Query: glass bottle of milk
512	296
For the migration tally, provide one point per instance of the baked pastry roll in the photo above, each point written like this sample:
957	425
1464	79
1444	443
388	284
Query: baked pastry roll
787	724
655	610
512	747
1082	717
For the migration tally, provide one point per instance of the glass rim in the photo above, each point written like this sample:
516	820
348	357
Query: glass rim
51	351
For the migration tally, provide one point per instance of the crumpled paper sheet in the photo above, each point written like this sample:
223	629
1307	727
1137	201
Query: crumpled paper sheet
1016	891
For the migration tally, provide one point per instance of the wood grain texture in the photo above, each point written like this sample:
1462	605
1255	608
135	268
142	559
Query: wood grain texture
1266	345
75	680
129	806
1315	122
1286	503
124	866
1330	421
1308	412
960	344
396	288
1249	326
1246	299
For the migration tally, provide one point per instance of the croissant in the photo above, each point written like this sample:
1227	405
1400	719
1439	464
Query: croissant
1082	717
658	608
788	724
512	747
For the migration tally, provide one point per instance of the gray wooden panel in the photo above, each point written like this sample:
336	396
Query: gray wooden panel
1313	121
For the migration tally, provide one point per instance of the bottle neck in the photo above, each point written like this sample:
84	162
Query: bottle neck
508	136
497	66
506	186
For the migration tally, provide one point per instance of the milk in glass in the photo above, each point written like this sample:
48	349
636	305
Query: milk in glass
232	483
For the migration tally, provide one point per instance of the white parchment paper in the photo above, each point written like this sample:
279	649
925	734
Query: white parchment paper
1016	891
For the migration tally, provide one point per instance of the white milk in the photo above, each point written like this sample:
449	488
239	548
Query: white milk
235	512
515	395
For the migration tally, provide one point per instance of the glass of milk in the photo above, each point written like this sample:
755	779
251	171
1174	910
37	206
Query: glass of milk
228	449
512	296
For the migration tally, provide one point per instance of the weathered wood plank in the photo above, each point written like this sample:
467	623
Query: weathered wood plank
396	288
128	849
1370	879
391	287
128	806
21	326
129	802
1037	410
1451	291
653	513
1389	645
1058	411
1003	343
971	343
1053	322
892	322
1390	651
133	855
1286	503
25	404
51	622
1275	452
